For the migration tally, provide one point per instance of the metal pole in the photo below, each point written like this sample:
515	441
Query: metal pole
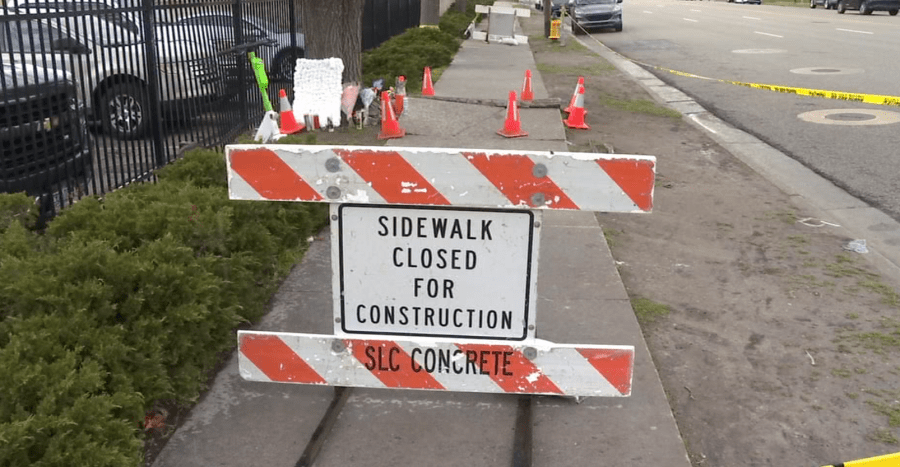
243	83
293	23
152	64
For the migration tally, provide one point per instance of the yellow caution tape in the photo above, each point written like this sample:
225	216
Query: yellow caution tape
838	95
887	460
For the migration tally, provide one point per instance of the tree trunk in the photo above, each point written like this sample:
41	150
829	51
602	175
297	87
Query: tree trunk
333	28
461	6
546	18
431	12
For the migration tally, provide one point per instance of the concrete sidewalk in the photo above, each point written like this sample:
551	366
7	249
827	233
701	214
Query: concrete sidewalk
581	300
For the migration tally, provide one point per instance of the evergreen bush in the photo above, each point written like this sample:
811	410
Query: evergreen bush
127	300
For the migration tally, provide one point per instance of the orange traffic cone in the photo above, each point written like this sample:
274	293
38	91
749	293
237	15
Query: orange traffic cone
289	123
512	128
400	96
576	117
575	95
527	93
389	126
427	87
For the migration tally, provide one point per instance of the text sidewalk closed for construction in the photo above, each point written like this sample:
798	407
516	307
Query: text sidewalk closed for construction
441	272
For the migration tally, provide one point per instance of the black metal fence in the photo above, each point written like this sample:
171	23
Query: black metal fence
384	19
96	94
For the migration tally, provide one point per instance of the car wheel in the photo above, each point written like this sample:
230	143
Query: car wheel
893	12
812	4
864	9
576	29
285	63
123	111
841	8
619	27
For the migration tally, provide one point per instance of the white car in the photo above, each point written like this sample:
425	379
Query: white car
104	50
275	43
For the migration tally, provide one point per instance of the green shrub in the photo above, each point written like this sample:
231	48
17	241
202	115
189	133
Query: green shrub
18	207
454	22
408	54
127	300
200	167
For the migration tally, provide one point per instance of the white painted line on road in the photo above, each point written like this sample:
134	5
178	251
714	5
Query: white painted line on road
694	118
691	20
648	12
751	17
767	34
698	11
852	30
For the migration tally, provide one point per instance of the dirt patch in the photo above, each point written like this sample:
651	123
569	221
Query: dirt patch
776	346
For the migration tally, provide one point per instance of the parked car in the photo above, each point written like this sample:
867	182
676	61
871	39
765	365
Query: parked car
42	131
275	48
866	7
752	2
828	4
595	14
556	7
104	48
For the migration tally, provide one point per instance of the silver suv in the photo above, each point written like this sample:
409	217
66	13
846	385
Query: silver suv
279	56
103	47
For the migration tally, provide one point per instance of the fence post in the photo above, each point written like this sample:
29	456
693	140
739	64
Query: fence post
293	24
242	60
152	63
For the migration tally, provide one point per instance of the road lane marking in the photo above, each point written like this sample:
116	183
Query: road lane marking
853	30
648	12
691	20
751	17
698	11
767	34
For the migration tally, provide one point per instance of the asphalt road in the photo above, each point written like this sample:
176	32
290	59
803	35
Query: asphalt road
854	146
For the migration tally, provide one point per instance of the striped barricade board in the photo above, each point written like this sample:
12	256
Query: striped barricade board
442	177
536	367
434	255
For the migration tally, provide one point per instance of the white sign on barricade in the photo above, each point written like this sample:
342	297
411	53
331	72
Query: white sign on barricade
434	271
434	254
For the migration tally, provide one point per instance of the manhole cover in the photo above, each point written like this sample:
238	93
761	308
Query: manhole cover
850	117
826	71
759	51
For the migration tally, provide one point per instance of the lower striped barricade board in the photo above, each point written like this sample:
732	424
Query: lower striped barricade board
521	367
